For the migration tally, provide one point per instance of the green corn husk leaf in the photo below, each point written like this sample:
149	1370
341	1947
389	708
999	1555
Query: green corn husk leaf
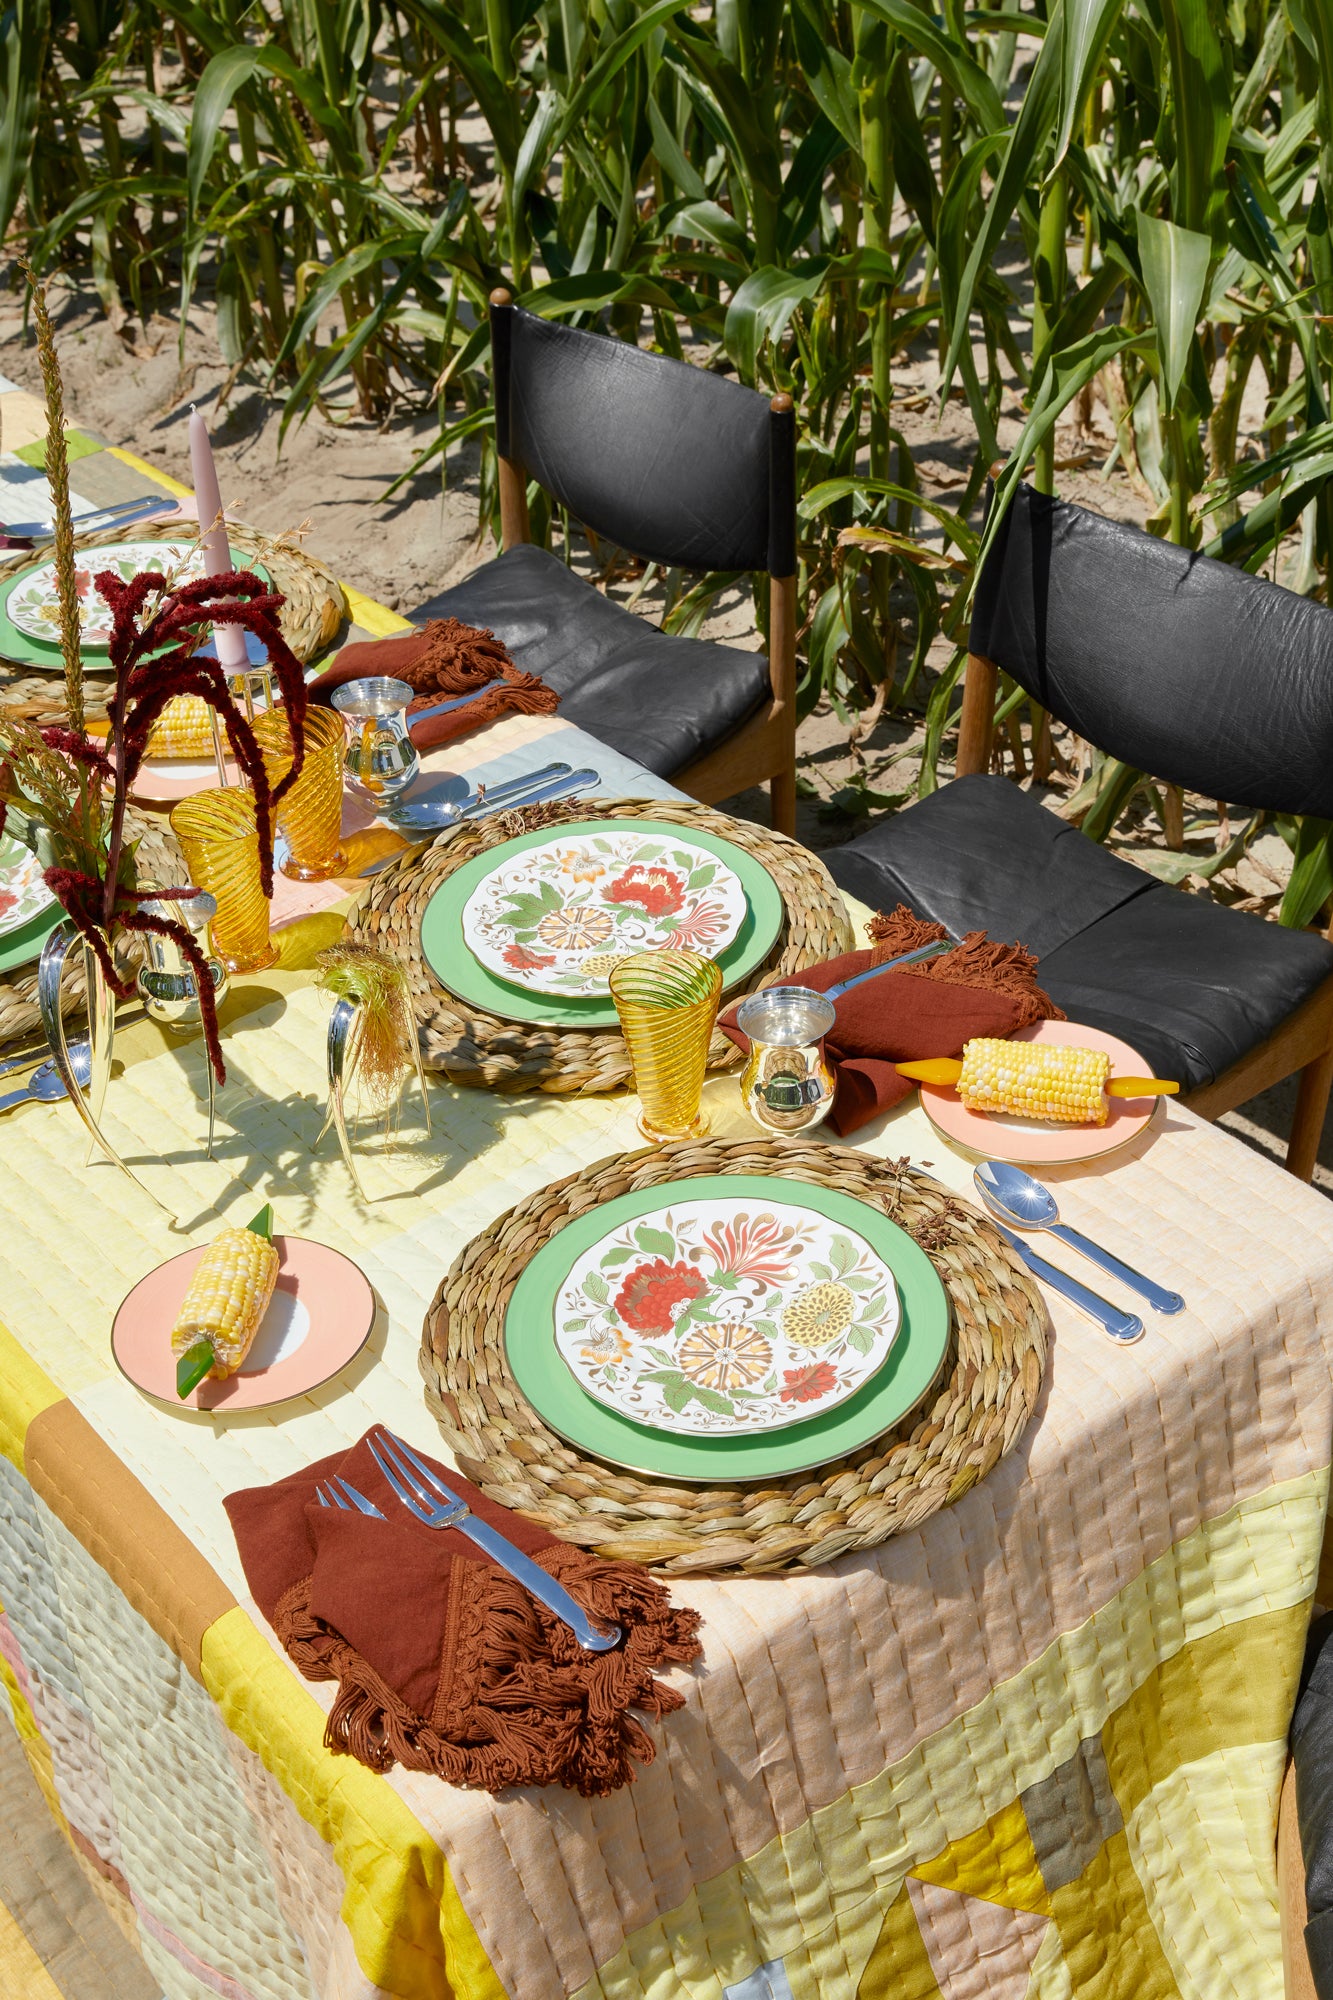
1311	882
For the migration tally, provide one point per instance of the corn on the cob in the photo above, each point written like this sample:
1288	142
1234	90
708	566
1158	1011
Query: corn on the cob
227	1299
182	730
1035	1080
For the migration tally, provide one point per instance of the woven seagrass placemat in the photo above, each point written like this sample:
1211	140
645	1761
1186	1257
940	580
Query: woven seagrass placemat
474	1047
976	1412
311	617
157	859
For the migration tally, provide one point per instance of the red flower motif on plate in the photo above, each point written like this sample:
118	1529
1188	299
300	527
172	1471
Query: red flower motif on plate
8	902
524	960
659	892
653	1293
807	1385
697	929
760	1249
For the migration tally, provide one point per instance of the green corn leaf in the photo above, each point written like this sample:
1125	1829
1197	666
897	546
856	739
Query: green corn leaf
25	30
192	1366
964	75
1173	868
708	220
1087	30
1065	375
1199	111
609	65
1119	782
1028	137
1311	882
827	70
1175	265
761	308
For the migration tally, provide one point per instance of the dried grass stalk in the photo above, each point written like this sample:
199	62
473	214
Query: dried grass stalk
57	475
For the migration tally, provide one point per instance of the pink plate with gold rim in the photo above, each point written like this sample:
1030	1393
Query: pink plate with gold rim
320	1318
1031	1142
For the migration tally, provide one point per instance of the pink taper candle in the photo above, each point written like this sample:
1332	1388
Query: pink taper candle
217	551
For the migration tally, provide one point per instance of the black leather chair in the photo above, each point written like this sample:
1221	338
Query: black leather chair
1184	667
682	468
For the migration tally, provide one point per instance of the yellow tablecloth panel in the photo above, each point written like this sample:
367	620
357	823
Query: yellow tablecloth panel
1042	1735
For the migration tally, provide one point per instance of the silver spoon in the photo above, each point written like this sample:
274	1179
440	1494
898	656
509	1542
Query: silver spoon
1016	1197
44	1085
433	815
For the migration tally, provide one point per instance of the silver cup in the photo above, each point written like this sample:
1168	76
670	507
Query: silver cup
787	1085
380	761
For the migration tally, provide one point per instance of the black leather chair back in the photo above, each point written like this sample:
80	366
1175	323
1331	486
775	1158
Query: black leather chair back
1184	667
675	464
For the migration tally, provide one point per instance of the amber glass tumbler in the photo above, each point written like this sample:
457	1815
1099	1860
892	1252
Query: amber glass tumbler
220	842
667	1003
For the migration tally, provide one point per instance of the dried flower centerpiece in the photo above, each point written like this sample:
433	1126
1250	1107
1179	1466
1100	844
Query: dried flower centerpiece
76	789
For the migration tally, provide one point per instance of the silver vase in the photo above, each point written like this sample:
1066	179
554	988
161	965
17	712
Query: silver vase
85	1070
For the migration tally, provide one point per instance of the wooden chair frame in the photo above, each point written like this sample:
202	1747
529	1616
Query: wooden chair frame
763	749
1303	1043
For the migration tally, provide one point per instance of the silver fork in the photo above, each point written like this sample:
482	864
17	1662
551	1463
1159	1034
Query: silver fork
426	1496
329	1496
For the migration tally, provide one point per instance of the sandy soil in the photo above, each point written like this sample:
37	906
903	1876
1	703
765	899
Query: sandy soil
135	387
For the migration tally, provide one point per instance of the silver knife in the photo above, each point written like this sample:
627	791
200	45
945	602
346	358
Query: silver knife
1124	1328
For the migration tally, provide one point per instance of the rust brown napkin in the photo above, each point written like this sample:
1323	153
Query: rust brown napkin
443	1662
438	660
925	1010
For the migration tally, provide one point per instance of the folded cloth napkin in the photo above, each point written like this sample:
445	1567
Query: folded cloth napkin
930	1009
443	1662
440	659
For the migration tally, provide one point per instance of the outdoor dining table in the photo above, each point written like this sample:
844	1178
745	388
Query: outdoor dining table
1030	1748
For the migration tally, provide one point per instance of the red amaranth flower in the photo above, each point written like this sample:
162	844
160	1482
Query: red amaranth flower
158	661
650	1295
83	749
807	1385
658	891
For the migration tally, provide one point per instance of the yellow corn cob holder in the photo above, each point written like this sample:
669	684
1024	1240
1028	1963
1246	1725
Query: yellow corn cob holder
1068	1086
226	1302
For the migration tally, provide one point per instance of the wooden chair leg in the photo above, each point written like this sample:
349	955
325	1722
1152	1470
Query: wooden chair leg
782	802
1297	1978
1307	1126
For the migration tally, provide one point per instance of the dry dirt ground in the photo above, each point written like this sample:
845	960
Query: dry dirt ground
135	387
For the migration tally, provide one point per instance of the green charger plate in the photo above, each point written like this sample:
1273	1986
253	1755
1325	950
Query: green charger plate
21	650
22	946
913	1362
461	974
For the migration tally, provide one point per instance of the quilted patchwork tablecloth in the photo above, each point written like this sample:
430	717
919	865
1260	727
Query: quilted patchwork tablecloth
1028	1752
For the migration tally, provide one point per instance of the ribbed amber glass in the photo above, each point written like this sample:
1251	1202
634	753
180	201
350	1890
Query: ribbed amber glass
310	814
220	842
667	1003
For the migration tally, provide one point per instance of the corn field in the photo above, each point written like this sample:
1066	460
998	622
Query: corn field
1053	196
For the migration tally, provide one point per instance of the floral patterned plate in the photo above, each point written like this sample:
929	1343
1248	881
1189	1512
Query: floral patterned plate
23	893
559	916
35	608
468	979
820	1427
726	1316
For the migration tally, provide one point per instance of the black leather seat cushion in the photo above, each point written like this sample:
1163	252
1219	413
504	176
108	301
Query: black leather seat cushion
1190	984
663	700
